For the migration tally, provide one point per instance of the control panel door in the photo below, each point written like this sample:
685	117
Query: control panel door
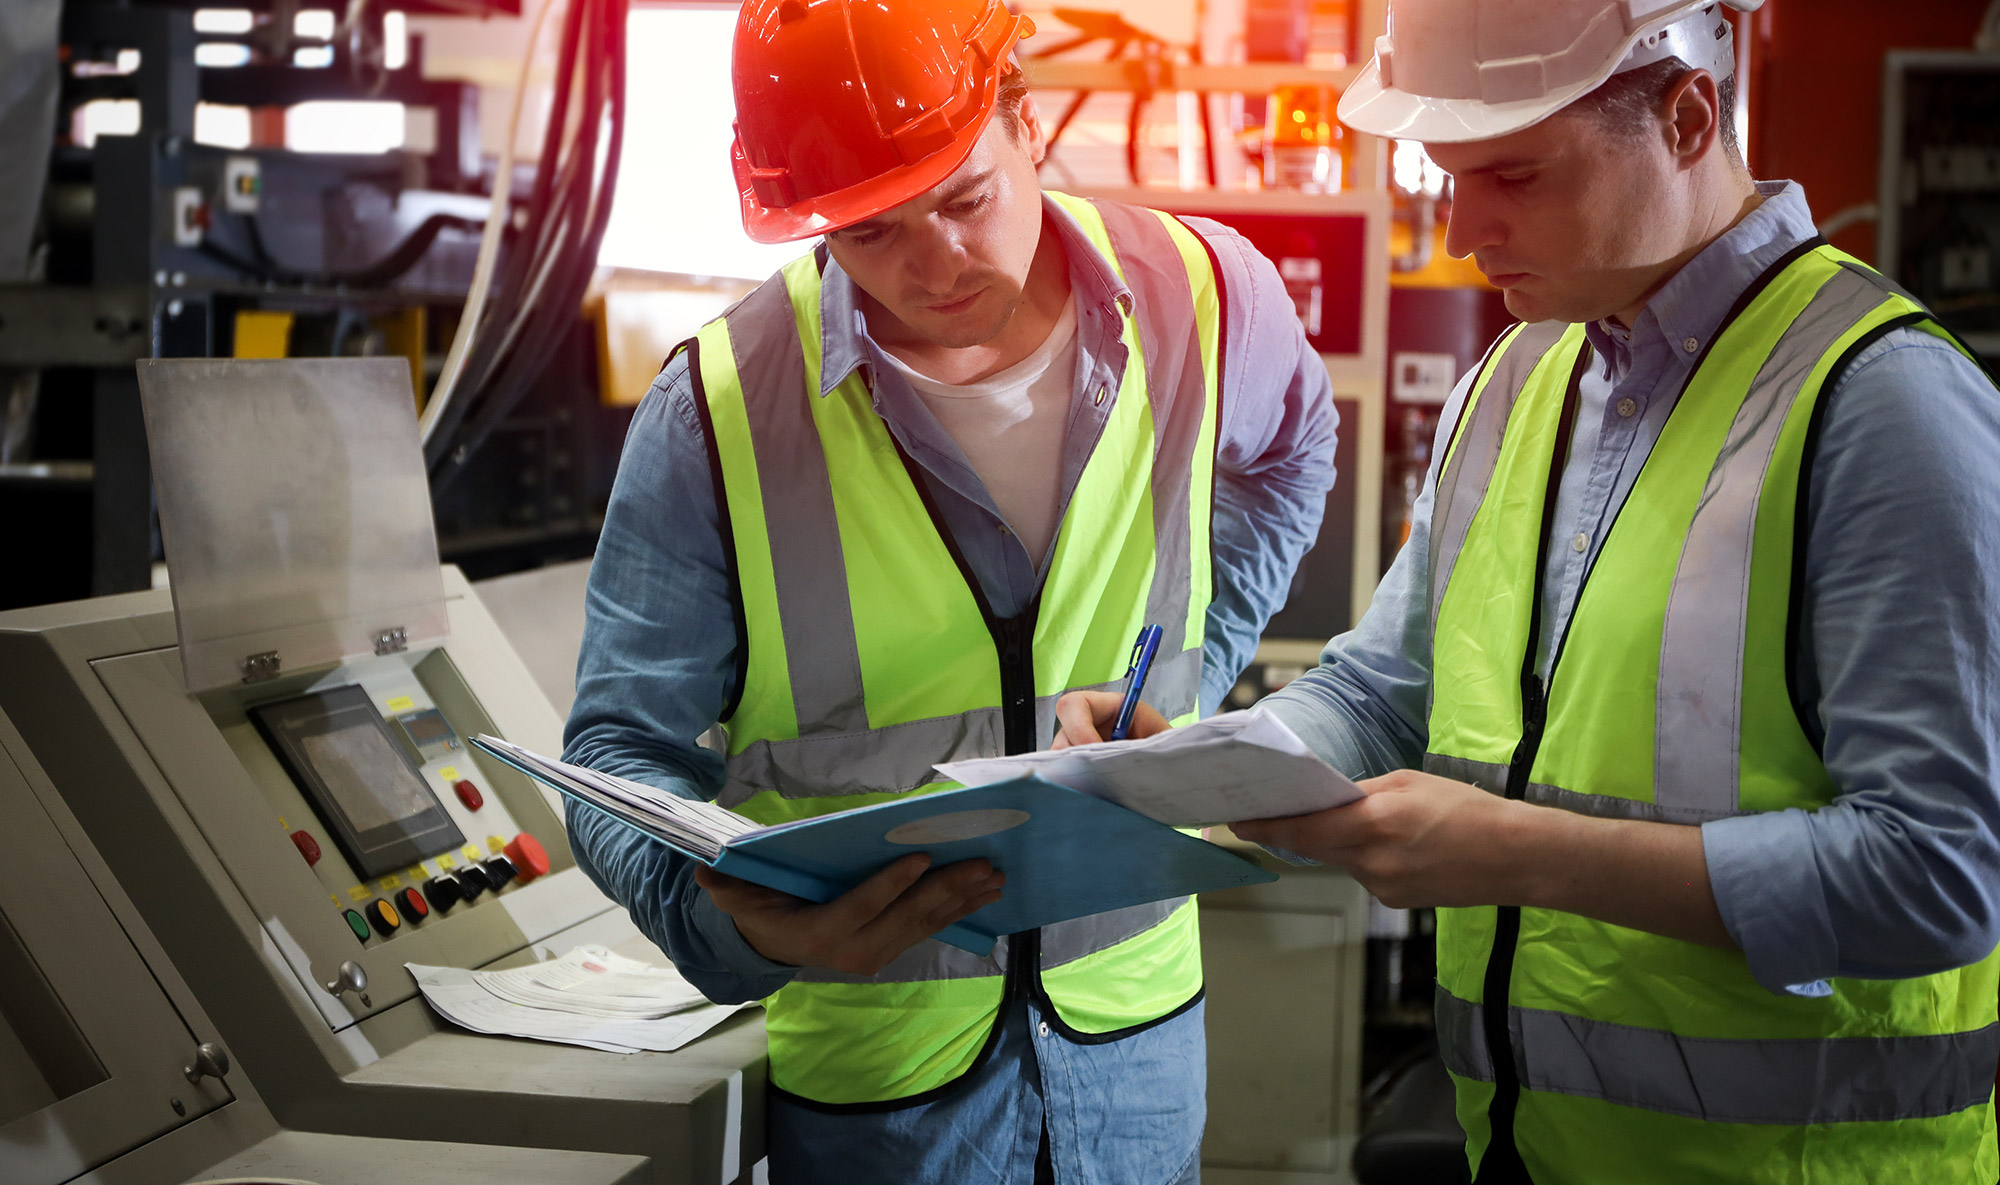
94	1057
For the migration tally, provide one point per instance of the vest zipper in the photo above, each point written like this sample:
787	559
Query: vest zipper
1502	1163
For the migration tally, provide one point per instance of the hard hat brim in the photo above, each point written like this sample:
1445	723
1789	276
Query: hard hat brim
829	212
1378	110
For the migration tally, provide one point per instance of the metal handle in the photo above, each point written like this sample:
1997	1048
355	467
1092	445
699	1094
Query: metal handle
350	979
210	1061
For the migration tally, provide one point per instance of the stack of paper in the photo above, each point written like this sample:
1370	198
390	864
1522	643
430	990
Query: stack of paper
697	827
593	981
1230	767
591	997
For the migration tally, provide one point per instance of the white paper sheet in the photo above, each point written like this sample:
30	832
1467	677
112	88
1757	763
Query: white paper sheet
458	997
595	981
1234	766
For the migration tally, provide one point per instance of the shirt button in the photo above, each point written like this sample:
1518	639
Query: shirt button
1691	345
1043	1028
1627	406
1103	392
1581	542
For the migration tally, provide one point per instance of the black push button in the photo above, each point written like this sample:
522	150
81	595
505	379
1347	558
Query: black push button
474	881
443	892
501	871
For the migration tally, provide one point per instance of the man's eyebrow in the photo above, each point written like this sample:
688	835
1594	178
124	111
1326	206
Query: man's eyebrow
965	185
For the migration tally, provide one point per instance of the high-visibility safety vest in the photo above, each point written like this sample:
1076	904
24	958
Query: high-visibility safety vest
868	652
1587	1052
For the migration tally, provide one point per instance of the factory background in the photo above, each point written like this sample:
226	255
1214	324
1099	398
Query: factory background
193	972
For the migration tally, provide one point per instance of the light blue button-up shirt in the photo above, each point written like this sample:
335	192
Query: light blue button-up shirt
657	669
1900	875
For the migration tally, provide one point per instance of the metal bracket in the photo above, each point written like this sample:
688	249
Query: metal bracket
392	641
74	325
259	667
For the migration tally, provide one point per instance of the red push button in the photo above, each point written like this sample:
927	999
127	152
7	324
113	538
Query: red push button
468	794
530	861
413	905
307	846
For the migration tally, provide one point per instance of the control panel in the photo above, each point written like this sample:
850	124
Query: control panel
383	799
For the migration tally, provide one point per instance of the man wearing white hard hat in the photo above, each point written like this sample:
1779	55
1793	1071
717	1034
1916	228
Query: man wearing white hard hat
1695	642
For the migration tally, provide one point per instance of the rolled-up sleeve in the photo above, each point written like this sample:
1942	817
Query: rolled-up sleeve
1274	458
1900	875
655	672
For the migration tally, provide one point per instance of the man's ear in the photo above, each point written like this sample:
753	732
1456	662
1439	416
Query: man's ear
1693	113
1032	137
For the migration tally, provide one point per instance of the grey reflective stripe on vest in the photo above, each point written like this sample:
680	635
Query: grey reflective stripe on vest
1171	355
799	518
900	756
1462	483
1491	776
1790	1082
1698	727
931	961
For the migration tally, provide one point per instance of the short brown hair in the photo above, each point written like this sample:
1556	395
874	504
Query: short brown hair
1007	104
1629	103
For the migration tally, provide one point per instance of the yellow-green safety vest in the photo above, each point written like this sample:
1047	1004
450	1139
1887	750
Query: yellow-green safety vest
867	651
1589	1053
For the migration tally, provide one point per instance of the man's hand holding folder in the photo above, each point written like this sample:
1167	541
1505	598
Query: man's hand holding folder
864	929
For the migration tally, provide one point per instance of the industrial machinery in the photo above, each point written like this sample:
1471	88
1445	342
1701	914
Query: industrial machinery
273	759
1938	233
155	243
110	1069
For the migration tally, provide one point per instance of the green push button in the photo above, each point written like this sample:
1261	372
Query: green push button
356	923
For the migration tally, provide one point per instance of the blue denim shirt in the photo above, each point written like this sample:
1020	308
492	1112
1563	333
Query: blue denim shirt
1901	634
657	668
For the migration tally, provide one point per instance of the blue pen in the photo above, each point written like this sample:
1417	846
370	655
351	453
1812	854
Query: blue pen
1143	650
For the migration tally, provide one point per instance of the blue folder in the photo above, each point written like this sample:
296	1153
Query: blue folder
1066	854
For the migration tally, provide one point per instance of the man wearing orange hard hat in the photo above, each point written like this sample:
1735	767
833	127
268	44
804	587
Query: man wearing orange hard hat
936	472
1679	704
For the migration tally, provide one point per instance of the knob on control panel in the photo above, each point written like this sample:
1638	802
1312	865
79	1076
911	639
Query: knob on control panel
382	916
443	892
501	870
356	923
307	846
474	881
530	860
468	794
412	905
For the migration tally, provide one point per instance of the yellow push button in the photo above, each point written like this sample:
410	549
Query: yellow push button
382	916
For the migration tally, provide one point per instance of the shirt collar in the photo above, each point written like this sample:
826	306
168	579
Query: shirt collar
844	340
1690	307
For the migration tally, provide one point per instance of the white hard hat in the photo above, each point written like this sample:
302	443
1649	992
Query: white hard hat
1455	70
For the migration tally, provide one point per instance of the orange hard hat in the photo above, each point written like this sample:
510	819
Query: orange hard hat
846	108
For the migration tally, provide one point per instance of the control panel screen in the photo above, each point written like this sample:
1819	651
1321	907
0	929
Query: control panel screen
350	767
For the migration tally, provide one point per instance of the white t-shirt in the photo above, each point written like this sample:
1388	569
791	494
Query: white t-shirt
1010	427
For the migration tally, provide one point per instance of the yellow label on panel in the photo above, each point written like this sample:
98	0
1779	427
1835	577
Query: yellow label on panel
359	893
332	898
391	881
282	825
401	703
449	773
445	861
495	844
262	334
472	853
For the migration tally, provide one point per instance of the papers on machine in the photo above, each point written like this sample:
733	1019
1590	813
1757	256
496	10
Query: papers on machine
591	996
1229	767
